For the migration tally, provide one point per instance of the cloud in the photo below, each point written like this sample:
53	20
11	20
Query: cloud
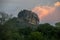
47	13
43	11
57	4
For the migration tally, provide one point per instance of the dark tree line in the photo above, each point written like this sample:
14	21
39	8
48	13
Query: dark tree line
18	29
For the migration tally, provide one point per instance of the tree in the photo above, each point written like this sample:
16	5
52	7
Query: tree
47	30
3	17
10	30
36	36
25	31
57	24
1	29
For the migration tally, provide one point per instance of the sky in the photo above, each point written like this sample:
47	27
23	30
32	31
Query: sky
48	11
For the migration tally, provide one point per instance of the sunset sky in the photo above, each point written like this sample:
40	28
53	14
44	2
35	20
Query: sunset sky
48	11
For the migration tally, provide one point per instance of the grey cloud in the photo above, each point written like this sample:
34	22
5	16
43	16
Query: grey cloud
14	6
52	17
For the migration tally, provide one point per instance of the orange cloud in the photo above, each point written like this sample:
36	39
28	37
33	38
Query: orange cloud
57	4
48	14
43	11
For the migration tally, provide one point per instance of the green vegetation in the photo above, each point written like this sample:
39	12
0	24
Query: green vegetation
19	28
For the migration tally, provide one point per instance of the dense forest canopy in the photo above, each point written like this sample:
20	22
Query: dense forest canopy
24	27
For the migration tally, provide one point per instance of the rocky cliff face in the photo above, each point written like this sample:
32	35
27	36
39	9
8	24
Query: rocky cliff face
28	16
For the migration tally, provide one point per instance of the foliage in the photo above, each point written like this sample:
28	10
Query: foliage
4	17
36	36
17	29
